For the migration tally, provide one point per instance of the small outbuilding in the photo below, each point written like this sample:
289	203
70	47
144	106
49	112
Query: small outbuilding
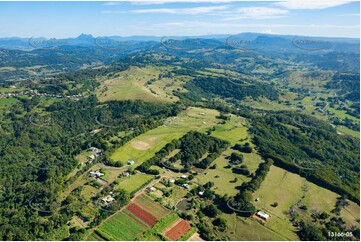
262	215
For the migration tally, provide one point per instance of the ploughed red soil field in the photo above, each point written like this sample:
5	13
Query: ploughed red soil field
142	214
178	230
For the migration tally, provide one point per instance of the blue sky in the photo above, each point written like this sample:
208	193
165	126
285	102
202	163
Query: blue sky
335	18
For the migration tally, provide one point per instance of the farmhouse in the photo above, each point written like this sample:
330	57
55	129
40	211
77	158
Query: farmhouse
96	174
171	180
131	162
186	186
107	200
200	193
95	150
184	176
262	215
152	189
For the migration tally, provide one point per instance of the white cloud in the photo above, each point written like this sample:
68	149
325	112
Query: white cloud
157	2
349	15
111	3
257	13
210	25
267	31
113	12
315	4
189	11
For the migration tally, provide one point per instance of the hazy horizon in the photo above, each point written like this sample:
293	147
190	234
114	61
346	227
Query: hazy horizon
179	18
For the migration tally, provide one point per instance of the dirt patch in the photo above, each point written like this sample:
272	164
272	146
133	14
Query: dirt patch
142	214
178	230
140	145
195	237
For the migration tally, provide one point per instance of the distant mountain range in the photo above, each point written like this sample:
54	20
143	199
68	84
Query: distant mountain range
273	42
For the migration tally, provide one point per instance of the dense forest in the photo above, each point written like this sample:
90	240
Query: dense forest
37	154
311	148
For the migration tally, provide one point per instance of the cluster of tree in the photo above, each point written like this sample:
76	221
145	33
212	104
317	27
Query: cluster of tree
193	146
243	200
210	87
236	158
334	229
314	150
347	84
206	189
246	148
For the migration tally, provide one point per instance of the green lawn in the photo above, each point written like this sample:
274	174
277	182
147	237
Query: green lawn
342	114
8	101
348	131
241	229
223	182
145	146
287	188
134	182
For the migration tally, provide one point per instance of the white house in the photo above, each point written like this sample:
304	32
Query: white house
262	215
186	186
171	180
184	176
96	173
152	189
131	162
95	150
107	200
200	193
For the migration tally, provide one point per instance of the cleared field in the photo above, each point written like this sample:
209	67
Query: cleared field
288	189
240	229
146	145
122	227
223	177
146	83
146	203
232	131
347	131
8	101
178	230
89	191
134	182
142	214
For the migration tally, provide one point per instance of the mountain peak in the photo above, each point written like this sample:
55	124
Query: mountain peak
85	36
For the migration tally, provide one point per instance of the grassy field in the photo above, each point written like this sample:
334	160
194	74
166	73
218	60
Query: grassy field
342	114
287	189
8	101
146	145
250	230
133	182
223	177
144	83
233	130
347	131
